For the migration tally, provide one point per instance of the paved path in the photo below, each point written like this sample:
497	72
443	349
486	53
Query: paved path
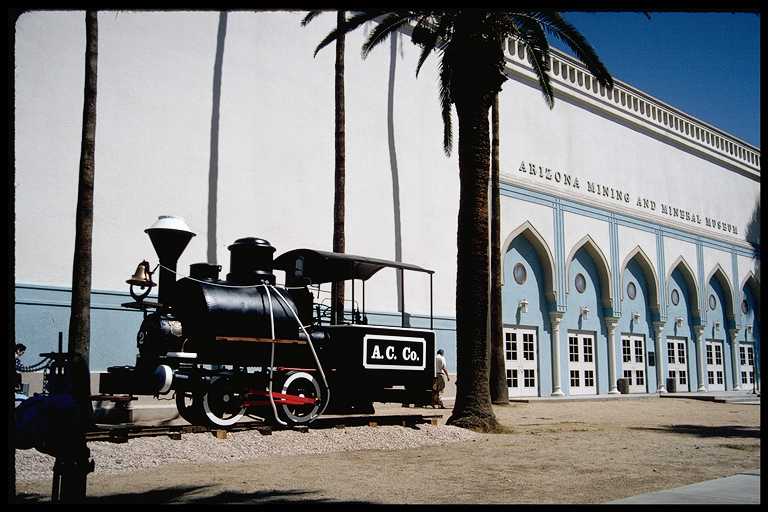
742	488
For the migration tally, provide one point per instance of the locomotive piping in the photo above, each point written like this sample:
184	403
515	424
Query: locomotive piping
311	347
272	359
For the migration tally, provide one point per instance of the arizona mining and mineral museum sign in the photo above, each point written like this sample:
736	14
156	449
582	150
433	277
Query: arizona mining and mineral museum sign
569	180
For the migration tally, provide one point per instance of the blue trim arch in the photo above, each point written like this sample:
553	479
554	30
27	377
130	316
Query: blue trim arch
538	243
601	266
687	274
719	277
644	265
750	292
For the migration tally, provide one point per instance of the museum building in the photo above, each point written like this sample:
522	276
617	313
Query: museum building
629	228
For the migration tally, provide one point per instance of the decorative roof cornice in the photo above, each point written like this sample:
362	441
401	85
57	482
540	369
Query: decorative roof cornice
570	77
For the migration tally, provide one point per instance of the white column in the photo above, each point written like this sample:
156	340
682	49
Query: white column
699	331
735	357
661	384
556	317
610	323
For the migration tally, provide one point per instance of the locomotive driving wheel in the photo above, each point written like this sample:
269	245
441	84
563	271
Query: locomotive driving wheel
303	385
220	404
188	404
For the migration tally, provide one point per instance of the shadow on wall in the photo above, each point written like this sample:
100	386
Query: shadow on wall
393	161
707	431
213	169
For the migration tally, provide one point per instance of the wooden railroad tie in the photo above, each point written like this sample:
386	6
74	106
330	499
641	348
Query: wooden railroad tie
119	436
124	433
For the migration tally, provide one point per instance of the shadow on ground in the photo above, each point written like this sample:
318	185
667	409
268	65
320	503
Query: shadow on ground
706	431
186	495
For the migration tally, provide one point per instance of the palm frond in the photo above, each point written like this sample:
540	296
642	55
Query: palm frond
446	99
564	31
427	37
382	30
310	16
470	45
541	68
351	24
536	46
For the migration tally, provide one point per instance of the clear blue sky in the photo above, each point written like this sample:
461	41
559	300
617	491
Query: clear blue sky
706	64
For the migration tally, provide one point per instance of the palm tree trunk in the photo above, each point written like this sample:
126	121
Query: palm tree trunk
499	390
337	289
80	316
473	401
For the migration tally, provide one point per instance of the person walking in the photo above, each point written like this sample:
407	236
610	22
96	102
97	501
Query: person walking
438	385
20	349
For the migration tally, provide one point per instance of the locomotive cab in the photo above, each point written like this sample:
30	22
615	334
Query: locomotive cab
369	363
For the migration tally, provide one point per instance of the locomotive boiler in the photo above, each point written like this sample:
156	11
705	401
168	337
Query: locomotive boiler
247	346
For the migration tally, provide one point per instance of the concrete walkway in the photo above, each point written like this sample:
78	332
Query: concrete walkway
730	397
742	488
745	397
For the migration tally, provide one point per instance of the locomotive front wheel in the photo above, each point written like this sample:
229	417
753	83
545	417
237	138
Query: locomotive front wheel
221	405
303	385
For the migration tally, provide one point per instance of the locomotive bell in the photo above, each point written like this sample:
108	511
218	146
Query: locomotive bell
142	277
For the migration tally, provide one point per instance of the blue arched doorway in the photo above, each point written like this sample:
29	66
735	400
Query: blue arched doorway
527	299
585	346
682	315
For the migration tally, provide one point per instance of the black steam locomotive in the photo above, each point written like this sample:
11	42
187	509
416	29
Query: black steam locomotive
246	346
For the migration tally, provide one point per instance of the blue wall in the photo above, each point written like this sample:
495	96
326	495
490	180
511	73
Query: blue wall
43	311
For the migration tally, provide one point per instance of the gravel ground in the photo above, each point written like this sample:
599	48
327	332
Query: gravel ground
555	452
151	452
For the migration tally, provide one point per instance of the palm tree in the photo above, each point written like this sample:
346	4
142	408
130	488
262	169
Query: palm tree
337	289
80	316
470	45
499	389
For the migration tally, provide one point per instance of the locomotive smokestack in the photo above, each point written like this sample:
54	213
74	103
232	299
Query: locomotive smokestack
170	236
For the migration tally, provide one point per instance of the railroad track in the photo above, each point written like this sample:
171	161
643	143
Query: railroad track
122	433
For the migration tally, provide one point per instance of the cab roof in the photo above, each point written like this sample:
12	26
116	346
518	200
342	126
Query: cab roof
324	267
